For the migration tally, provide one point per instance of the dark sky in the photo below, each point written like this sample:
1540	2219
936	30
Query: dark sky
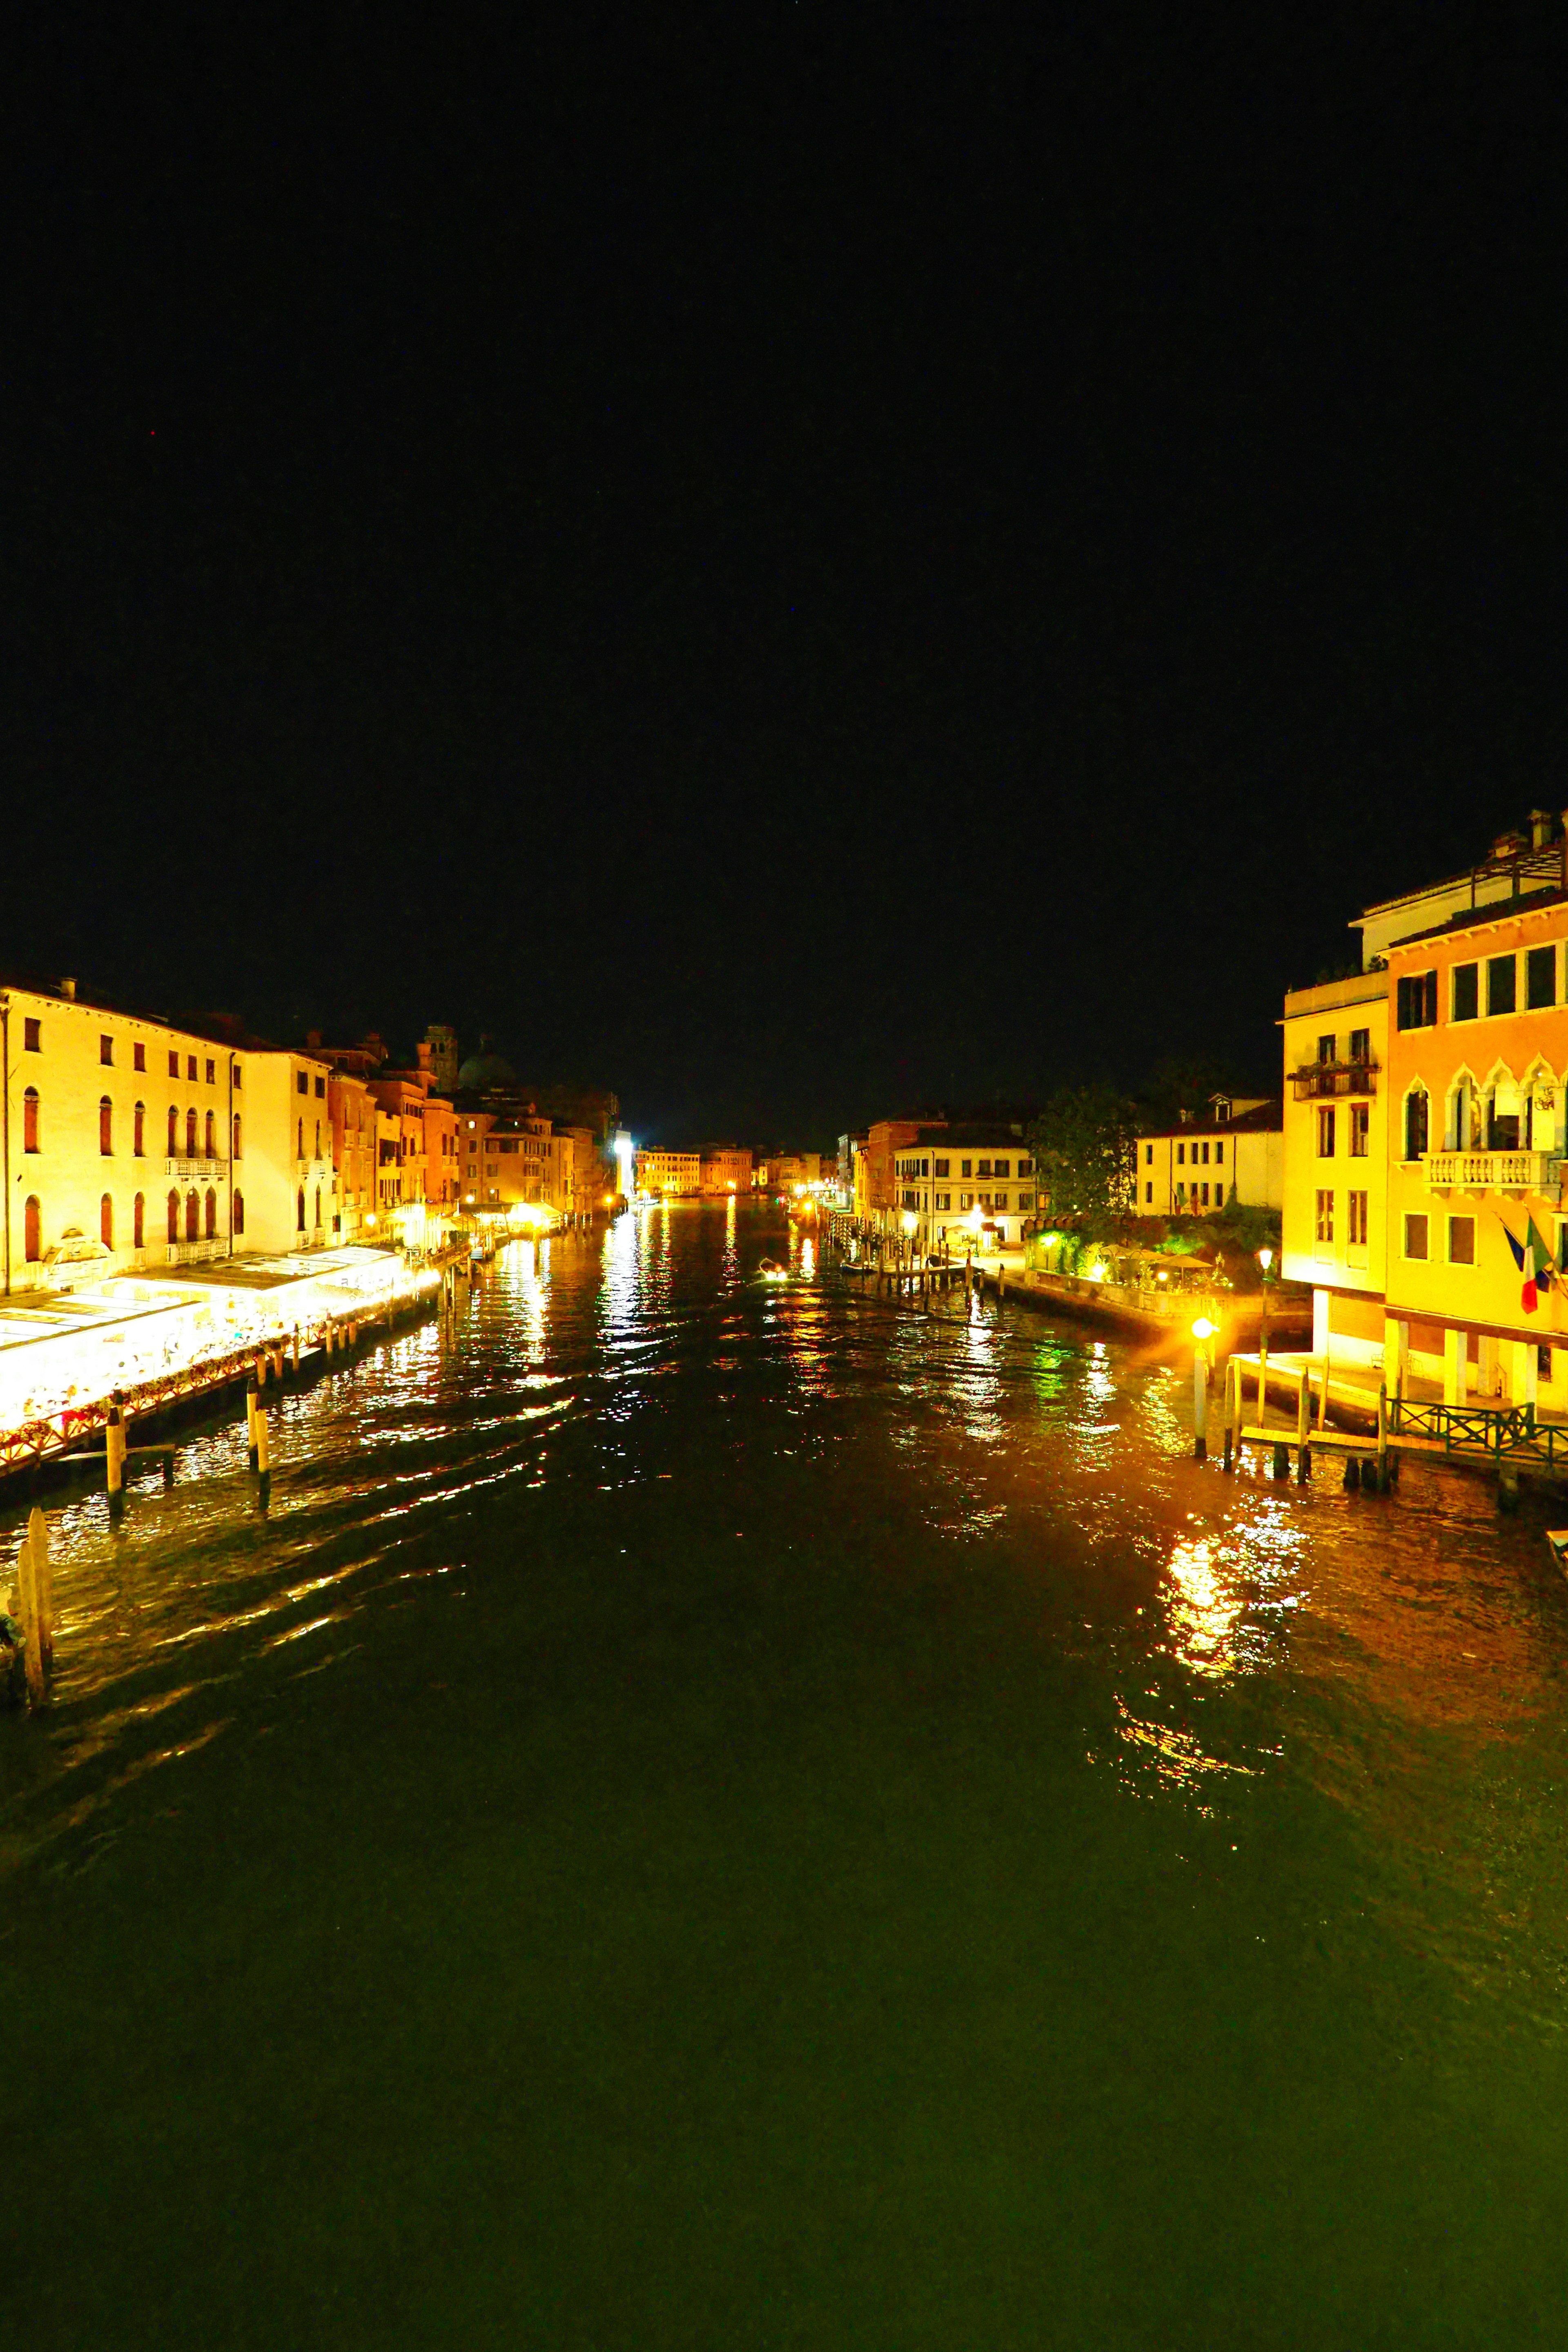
786	560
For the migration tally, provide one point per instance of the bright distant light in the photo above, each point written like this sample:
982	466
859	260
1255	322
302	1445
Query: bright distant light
1202	1329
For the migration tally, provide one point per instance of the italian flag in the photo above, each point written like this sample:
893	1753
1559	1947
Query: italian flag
1533	1260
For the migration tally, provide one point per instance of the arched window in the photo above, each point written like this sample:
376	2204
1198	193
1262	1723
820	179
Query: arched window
105	1125
191	1133
106	1221
138	1129
139	1222
174	1211
210	1136
236	1135
300	1152
318	1139
173	1130
211	1215
239	1212
193	1217
318	1208
32	1223
1415	1114
30	1119
300	1214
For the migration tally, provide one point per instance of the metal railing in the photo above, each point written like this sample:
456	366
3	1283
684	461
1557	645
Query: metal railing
1493	1172
1499	1432
1334	1079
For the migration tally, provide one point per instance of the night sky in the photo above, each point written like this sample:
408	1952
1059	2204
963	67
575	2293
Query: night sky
789	560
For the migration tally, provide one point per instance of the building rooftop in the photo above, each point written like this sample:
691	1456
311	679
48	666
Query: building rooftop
1264	1118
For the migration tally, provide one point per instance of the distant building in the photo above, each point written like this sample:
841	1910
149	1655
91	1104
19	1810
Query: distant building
678	1174
726	1169
1237	1153
967	1183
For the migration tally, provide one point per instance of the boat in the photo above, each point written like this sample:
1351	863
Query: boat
1558	1539
770	1270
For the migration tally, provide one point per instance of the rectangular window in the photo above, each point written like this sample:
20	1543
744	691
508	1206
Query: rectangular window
1503	984
1220	1155
1361	1130
1205	1197
944	1167
321	1086
1540	978
966	1199
1181	1155
1148	1147
138	1058
190	1067
106	1049
1325	1219
174	1065
1326	1048
966	1168
1543	1364
1181	1192
983	1169
1415	1236
1417	1001
1461	1241
301	1082
1206	1155
1355	1220
1002	1168
1467	991
1325	1134
239	1075
32	1036
944	1200
1361	1044
924	1168
1148	1191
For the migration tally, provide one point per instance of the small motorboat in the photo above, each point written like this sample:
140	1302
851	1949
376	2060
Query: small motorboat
770	1270
1558	1539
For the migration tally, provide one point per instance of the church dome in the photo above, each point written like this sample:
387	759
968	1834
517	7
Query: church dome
485	1071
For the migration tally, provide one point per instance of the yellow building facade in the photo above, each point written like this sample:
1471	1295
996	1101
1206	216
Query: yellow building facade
1334	1218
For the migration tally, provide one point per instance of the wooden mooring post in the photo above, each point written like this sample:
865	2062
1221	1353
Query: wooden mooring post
114	1455
1303	1422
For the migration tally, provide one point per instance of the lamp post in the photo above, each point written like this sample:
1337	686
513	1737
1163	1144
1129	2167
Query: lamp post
1203	1332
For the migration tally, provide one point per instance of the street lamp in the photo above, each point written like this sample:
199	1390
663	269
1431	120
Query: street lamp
1265	1260
1203	1332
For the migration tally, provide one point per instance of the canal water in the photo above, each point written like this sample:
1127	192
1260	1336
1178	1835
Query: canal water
712	1812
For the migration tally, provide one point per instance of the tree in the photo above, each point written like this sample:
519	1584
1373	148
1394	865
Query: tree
1085	1145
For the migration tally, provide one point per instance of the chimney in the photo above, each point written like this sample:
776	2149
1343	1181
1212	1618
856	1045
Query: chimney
1539	828
68	990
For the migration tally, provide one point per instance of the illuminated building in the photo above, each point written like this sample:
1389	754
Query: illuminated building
678	1173
725	1169
1334	1224
1426	1145
1237	1152
131	1143
964	1184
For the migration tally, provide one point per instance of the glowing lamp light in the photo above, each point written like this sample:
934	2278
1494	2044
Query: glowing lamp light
1265	1259
1097	1270
911	1221
1202	1329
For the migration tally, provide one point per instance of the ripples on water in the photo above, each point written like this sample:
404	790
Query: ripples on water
963	1572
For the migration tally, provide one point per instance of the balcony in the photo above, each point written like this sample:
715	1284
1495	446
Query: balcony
196	1253
197	1172
1493	1172
1328	1078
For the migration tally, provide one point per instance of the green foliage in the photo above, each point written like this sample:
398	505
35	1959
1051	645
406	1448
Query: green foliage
1085	1146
